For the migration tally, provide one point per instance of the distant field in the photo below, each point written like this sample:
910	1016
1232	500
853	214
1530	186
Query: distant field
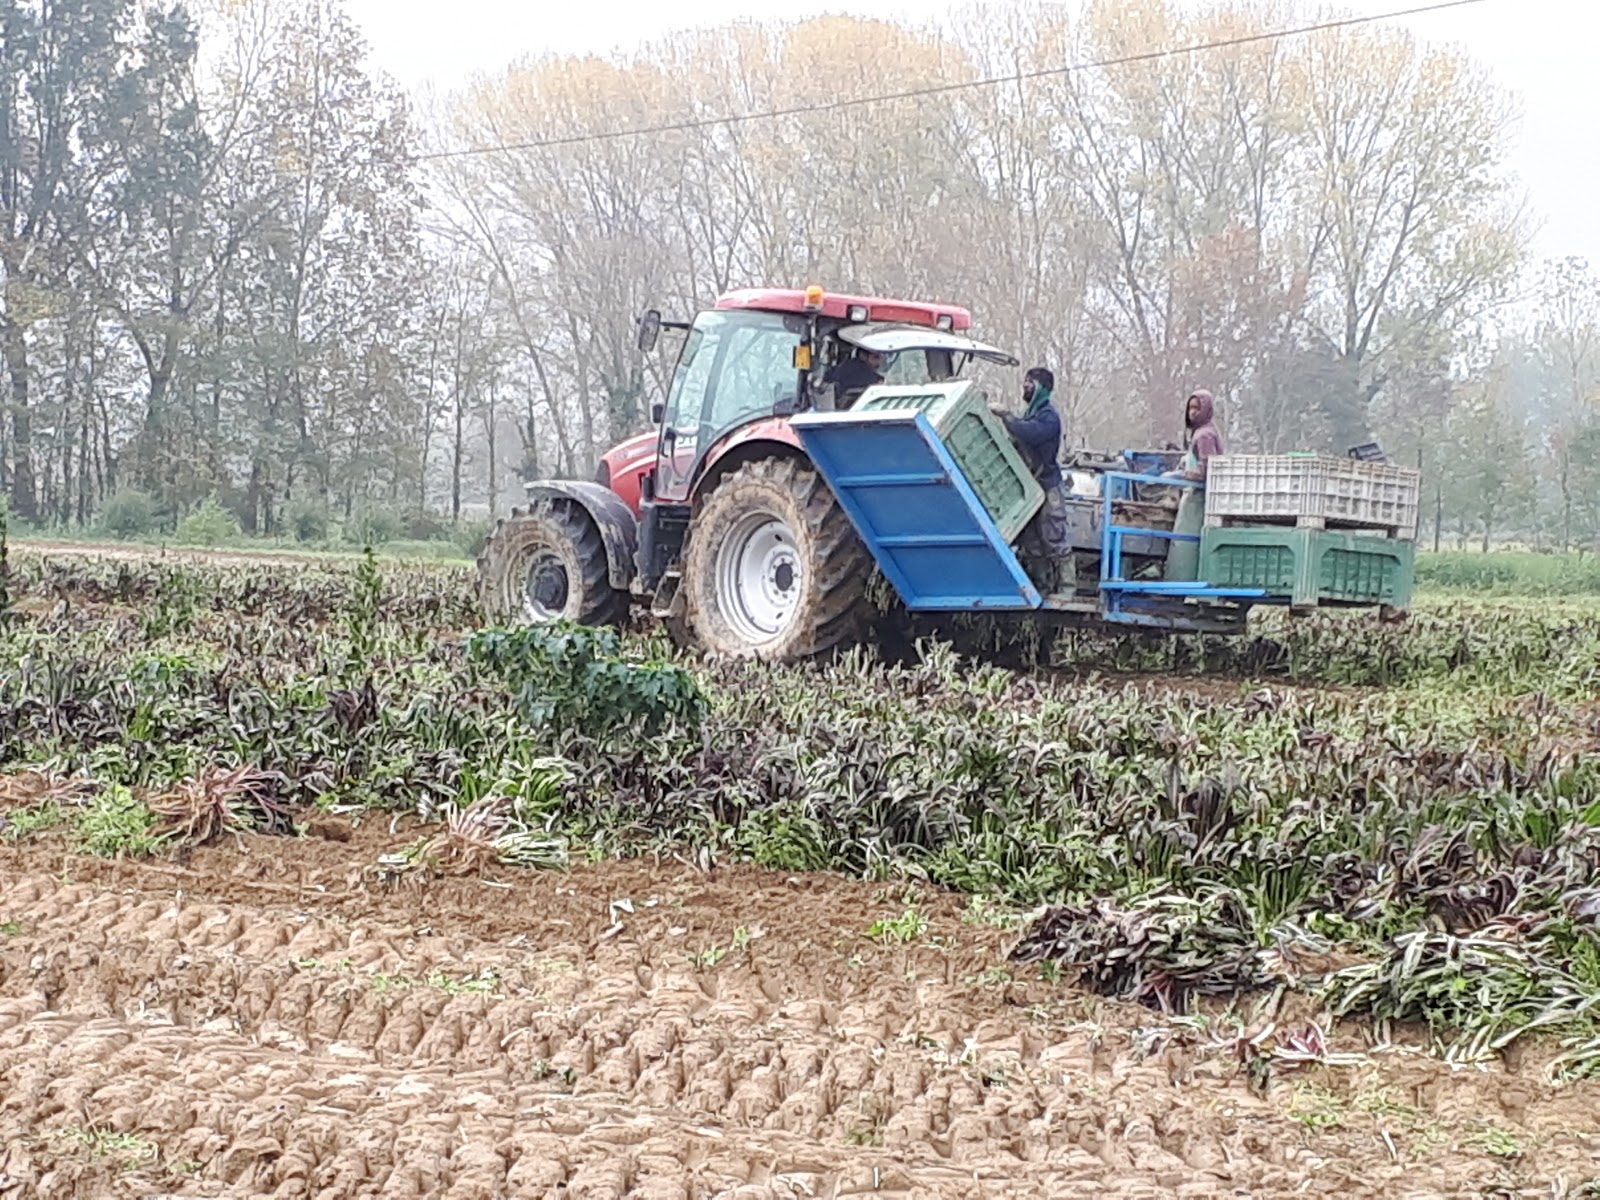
1509	572
238	551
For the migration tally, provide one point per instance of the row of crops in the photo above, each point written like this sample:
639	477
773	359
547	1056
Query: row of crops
1402	821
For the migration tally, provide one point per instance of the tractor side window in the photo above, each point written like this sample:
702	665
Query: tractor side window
694	372
758	372
735	366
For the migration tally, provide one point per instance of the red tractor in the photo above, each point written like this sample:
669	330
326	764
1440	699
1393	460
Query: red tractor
719	519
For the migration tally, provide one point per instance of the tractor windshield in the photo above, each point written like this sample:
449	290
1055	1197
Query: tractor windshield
916	366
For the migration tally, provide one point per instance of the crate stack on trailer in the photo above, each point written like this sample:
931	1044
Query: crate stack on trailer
1312	528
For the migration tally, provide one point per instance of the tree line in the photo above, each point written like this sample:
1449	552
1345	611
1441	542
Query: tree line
235	267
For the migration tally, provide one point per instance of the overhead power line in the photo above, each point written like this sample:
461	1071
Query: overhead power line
940	89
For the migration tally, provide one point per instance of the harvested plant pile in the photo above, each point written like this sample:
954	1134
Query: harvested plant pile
1422	853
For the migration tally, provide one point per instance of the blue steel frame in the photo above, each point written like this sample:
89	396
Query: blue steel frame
1126	600
1005	589
967	566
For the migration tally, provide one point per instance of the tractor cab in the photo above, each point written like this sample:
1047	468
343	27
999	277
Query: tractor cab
760	356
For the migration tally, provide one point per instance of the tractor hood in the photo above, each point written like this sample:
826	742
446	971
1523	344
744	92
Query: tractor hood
893	339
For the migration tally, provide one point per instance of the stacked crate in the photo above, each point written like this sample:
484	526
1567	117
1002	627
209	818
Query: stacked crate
1313	491
1313	529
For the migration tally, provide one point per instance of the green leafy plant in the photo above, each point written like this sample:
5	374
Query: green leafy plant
365	612
24	823
909	926
117	824
569	677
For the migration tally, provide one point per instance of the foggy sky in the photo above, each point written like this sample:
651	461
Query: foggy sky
1541	49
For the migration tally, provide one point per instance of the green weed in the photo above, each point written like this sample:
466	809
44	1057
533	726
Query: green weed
1498	1142
132	1149
908	927
117	823
21	824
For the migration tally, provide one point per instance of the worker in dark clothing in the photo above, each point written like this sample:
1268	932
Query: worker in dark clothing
1037	434
855	375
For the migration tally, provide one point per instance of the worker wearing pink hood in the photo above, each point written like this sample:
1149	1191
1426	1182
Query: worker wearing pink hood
1205	439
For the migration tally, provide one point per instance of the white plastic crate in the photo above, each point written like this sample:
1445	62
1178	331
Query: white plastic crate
1313	489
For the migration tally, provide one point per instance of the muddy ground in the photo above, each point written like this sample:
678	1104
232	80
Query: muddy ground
275	1018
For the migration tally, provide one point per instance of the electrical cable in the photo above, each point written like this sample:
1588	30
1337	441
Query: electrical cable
796	110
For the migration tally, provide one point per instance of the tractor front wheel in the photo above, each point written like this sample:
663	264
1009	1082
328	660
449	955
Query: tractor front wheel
774	569
547	563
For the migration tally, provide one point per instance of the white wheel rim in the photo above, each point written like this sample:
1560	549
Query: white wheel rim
759	577
545	586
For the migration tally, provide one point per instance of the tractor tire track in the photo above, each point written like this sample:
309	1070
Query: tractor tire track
230	1030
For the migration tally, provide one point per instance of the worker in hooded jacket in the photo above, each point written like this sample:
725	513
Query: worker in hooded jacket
1205	443
1205	439
1037	434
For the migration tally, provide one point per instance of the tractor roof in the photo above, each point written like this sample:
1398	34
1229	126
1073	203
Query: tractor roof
836	304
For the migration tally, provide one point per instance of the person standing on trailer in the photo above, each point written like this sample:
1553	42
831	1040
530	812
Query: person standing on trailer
1037	434
1204	438
1205	443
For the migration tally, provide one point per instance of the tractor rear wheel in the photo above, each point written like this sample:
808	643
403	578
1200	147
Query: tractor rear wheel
774	569
547	563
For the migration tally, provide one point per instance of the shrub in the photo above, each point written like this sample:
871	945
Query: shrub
130	513
422	526
470	536
307	521
208	525
570	677
372	525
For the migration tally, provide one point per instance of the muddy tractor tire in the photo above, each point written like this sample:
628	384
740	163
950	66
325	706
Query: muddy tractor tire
546	563
774	568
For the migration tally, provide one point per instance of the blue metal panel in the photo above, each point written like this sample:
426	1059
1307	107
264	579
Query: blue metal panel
916	511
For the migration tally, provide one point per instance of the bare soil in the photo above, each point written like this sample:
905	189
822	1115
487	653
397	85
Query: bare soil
275	1018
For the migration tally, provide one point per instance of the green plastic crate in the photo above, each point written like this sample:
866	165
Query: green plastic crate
977	440
1311	566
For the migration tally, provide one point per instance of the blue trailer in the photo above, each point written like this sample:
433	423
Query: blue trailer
935	542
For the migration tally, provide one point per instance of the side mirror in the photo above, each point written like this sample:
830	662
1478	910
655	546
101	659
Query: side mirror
649	330
657	411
